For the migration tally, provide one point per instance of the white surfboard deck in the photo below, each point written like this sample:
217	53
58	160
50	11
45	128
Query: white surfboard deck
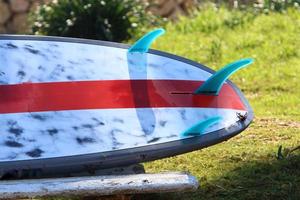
27	136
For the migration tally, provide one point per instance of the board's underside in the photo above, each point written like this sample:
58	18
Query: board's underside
63	99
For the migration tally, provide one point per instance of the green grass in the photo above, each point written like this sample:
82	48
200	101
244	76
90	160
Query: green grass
246	166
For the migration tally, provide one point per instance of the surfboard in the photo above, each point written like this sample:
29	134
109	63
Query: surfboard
71	104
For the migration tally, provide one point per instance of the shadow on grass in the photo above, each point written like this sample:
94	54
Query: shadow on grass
268	179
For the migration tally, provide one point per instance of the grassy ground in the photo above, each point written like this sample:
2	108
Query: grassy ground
246	166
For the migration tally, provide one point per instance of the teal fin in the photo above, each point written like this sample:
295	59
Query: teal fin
144	43
200	127
214	84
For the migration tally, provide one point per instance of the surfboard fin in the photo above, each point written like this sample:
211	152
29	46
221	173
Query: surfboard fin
201	126
214	84
144	43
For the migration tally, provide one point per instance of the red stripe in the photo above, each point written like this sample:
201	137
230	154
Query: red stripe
34	97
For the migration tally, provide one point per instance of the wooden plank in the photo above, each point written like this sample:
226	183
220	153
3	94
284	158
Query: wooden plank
98	185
